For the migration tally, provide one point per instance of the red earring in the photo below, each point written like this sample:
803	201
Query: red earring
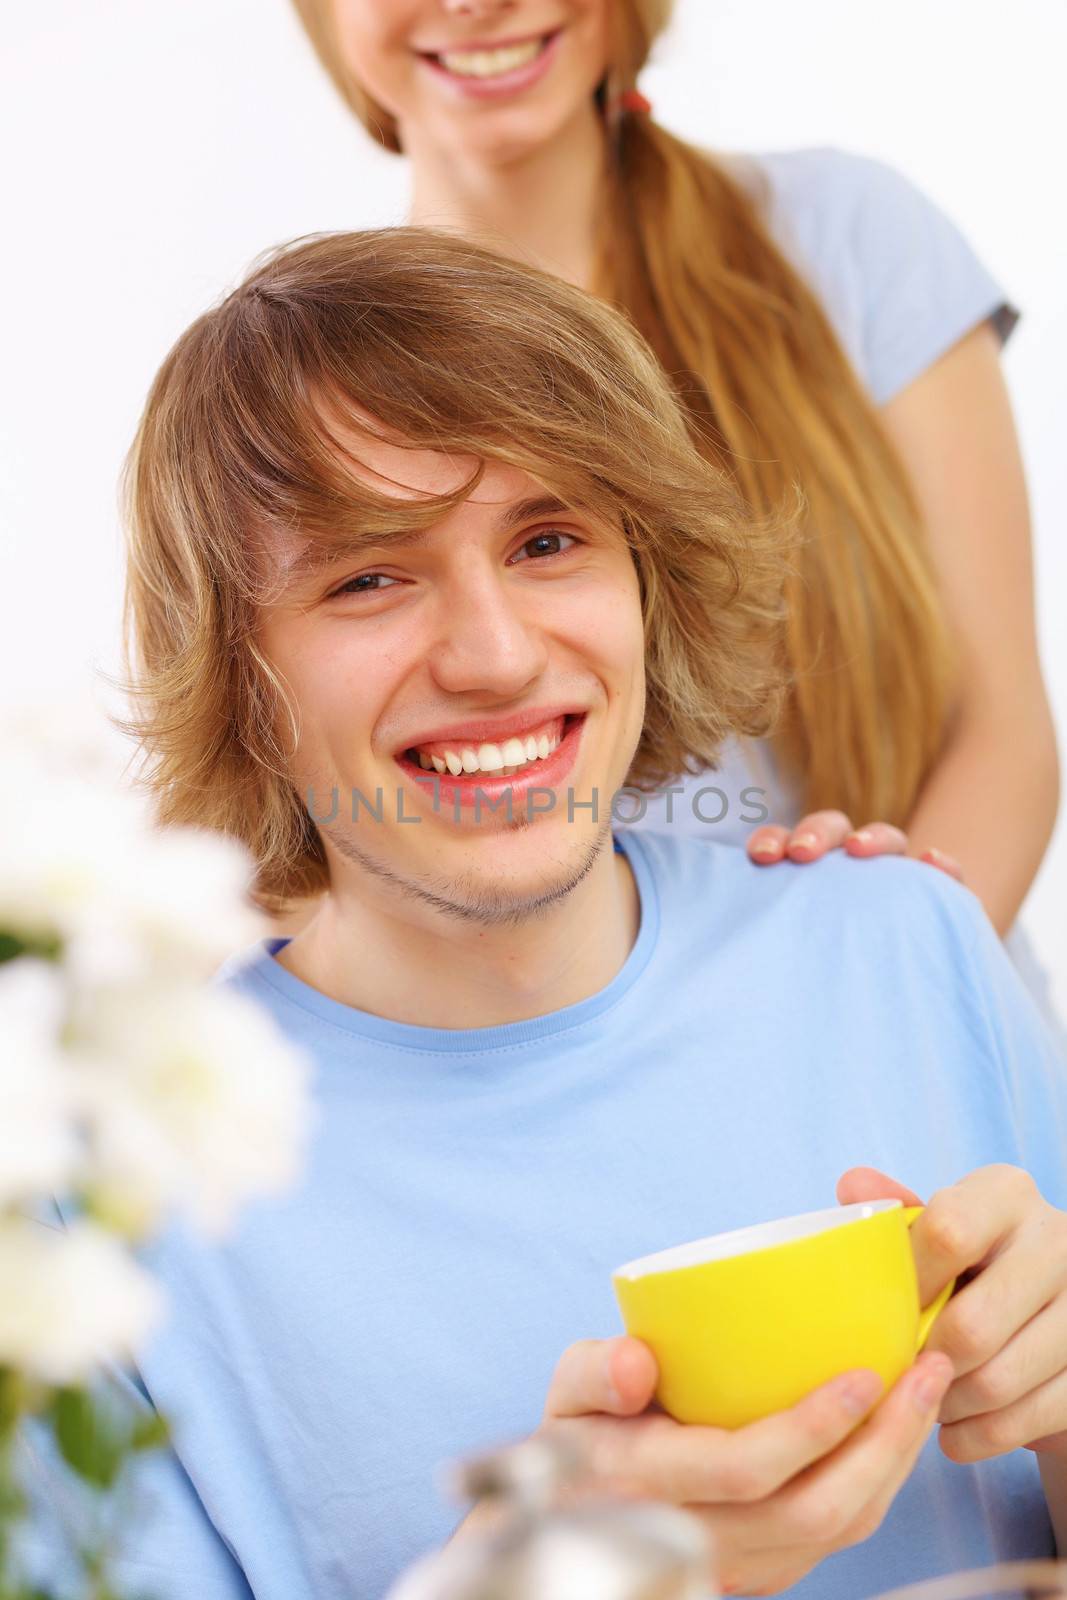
634	100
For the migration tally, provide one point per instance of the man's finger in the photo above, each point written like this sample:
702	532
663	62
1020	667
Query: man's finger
693	1465
867	1183
824	1502
614	1376
874	1512
966	1223
994	1433
687	1464
1019	1364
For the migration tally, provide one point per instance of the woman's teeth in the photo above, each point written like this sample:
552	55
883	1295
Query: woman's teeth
491	63
500	759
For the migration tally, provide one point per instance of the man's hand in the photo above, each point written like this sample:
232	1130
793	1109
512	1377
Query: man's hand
779	1495
1005	1329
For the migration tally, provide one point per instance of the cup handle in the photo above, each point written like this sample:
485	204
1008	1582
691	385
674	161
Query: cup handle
929	1314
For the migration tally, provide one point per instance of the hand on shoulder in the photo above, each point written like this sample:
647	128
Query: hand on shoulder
821	831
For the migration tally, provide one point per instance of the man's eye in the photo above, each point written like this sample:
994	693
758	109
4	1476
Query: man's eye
365	582
544	544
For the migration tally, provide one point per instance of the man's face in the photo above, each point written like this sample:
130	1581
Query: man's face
487	677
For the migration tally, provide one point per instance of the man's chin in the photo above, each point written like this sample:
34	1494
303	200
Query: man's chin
525	877
521	873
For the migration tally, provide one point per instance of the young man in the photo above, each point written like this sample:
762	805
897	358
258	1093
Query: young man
425	570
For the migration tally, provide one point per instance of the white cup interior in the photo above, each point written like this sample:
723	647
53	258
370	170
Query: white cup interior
761	1236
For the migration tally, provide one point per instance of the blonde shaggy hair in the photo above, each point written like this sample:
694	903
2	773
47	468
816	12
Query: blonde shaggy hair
450	348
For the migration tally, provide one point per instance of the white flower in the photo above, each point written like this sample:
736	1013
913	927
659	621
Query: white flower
179	894
193	1099
81	859
60	837
37	1143
72	1299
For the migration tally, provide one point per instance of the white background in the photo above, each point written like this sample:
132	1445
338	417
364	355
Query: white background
153	147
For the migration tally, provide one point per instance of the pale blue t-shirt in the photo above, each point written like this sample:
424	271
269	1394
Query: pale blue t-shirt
899	281
469	1192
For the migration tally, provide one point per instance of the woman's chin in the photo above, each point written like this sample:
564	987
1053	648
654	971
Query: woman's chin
501	135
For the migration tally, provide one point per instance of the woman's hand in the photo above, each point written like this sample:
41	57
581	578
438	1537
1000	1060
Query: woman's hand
1005	1330
820	831
777	1496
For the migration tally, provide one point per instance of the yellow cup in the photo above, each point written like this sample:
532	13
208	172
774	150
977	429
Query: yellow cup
746	1323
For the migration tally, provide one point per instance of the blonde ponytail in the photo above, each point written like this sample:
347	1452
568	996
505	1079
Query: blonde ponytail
774	399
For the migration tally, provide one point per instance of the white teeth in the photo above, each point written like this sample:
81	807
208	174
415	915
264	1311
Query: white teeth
490	63
490	757
499	759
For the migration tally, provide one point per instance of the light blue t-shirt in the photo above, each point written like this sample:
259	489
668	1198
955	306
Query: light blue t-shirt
899	281
470	1191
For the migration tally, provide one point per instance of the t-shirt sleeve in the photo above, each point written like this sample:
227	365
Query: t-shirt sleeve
1026	1056
166	1546
897	277
923	283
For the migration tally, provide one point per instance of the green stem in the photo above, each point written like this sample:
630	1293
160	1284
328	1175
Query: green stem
9	1502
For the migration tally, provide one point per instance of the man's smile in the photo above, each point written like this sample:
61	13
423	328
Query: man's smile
464	766
491	744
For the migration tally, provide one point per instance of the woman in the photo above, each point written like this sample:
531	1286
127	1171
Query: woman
827	326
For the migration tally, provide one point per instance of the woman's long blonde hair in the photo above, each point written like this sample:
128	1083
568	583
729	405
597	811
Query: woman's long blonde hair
771	395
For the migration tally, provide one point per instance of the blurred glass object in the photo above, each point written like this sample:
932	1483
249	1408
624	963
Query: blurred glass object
536	1546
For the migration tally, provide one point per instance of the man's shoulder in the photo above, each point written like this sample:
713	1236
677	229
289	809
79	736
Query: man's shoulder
893	882
838	892
908	899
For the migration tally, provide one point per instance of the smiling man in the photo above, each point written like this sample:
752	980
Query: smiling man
424	571
471	699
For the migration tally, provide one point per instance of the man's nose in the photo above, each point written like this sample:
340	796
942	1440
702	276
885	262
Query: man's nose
484	642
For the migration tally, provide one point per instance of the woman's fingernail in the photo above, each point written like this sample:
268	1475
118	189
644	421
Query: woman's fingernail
861	836
804	841
767	847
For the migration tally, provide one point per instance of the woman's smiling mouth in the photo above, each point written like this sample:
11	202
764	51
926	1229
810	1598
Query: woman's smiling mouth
494	68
